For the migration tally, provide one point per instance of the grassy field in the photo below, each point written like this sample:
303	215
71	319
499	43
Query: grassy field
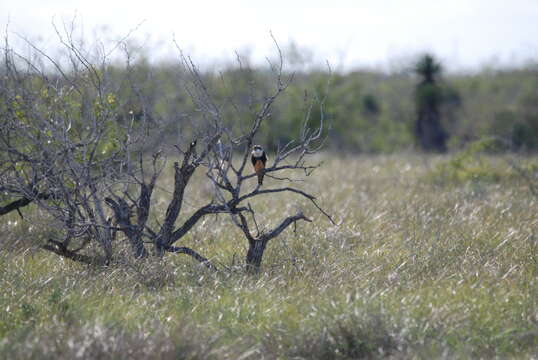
426	261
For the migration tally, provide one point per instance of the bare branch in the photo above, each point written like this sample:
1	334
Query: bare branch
193	254
22	202
283	225
59	249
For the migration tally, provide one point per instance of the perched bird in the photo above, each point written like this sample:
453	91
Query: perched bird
258	161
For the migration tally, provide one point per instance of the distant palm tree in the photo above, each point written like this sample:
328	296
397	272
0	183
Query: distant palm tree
429	132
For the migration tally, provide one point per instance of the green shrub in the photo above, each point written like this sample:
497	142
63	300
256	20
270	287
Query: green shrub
470	165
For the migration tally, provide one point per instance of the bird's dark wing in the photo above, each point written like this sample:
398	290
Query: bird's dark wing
253	159
264	158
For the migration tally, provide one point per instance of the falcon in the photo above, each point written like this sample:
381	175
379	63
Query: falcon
258	161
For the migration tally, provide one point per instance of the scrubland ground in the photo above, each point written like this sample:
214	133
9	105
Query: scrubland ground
426	261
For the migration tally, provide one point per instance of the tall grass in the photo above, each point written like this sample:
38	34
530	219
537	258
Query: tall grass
414	268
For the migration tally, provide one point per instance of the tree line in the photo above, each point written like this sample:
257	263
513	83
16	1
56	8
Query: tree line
420	107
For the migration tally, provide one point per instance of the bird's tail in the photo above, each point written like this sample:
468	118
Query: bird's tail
260	177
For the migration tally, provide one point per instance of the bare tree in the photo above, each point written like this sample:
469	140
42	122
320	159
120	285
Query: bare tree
70	146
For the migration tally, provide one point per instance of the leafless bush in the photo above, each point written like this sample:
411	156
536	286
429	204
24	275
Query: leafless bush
70	145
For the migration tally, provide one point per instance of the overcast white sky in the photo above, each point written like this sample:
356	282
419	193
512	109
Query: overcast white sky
465	34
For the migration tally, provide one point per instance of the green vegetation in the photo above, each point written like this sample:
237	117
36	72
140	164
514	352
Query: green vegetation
375	112
366	111
415	268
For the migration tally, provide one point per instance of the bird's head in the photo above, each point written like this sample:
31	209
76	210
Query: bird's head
257	151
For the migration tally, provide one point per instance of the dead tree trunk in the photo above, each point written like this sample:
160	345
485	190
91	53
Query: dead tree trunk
258	244
255	252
